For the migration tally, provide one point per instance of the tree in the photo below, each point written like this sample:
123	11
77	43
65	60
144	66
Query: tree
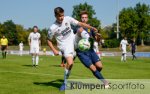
143	12
43	33
22	34
9	30
93	21
134	22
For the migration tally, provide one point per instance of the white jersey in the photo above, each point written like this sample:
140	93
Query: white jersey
124	44
21	46
62	32
34	39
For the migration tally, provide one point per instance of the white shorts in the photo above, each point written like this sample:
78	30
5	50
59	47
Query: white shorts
124	51
34	50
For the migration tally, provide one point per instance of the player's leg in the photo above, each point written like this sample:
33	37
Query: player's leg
37	56
2	49
134	57
122	57
96	63
68	54
32	52
96	60
63	61
132	54
125	57
68	68
99	66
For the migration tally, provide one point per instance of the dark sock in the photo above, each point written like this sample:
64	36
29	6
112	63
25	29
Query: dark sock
98	75
3	54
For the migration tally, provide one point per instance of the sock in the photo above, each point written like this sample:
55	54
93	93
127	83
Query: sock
3	54
37	59
33	59
66	75
124	57
84	34
99	76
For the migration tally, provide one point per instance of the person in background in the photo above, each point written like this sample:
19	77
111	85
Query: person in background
133	48
34	43
123	47
4	46
21	48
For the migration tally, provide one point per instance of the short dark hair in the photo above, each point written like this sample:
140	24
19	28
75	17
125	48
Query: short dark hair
58	10
83	12
35	27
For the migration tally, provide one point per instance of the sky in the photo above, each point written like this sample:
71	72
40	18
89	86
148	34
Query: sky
40	12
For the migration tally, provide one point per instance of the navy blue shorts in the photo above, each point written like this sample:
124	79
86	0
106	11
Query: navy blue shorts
88	58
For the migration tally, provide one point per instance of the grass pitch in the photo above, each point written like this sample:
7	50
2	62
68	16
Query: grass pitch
17	76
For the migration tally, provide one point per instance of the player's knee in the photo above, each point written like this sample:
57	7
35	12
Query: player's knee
92	68
99	69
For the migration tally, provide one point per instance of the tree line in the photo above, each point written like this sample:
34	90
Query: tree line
134	22
16	33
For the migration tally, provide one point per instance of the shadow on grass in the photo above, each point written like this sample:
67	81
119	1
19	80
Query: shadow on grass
28	65
56	83
56	65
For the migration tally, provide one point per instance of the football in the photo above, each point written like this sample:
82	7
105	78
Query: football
84	45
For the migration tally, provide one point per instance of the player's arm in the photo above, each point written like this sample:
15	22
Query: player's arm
29	39
87	26
40	41
0	43
120	46
50	44
7	44
84	25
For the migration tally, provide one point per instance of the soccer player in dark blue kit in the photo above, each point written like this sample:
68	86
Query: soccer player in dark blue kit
89	58
133	48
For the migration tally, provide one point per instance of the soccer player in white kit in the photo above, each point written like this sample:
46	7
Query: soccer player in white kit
123	47
63	33
20	48
34	43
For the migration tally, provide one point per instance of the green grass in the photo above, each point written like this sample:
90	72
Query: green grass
139	48
17	76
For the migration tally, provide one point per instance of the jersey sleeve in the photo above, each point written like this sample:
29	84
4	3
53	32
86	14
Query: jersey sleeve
7	41
29	36
50	34
121	42
72	21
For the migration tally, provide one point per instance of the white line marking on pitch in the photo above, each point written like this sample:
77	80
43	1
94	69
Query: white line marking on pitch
43	74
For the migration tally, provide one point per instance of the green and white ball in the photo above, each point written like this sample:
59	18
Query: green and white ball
84	45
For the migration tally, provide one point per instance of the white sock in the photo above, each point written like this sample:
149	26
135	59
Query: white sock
37	59
84	34
124	57
33	59
66	75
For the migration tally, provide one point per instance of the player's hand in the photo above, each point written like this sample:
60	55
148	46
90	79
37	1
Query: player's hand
56	52
93	28
120	48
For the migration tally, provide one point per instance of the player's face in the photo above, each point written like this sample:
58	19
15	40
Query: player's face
3	37
60	17
35	30
84	18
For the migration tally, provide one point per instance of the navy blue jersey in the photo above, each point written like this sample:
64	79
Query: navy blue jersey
133	46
